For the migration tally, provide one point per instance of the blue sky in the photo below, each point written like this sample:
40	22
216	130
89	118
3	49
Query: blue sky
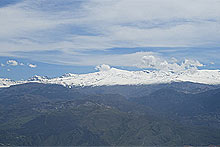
74	36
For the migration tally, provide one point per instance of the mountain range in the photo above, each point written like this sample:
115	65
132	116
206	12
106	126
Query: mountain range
115	76
174	114
112	108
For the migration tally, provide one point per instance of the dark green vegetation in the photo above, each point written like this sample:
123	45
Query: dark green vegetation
174	114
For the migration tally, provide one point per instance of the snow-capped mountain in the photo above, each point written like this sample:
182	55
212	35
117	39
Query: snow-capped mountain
115	76
9	82
38	78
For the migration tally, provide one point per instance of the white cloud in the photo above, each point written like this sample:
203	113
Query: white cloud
32	65
114	23
2	64
20	19
22	64
103	67
139	59
8	70
101	24
12	62
130	59
156	62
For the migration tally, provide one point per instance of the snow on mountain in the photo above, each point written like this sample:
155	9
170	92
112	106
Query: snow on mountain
211	77
9	82
38	78
113	76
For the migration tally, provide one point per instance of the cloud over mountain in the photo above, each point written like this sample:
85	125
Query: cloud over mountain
103	67
155	62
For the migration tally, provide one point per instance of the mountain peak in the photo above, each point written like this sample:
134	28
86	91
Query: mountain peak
68	75
38	78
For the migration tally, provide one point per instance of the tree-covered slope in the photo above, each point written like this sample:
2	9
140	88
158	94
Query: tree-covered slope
42	114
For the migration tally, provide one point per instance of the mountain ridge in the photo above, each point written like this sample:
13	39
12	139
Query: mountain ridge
114	76
51	114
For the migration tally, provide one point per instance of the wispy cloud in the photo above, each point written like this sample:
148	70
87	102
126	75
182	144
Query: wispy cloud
74	27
